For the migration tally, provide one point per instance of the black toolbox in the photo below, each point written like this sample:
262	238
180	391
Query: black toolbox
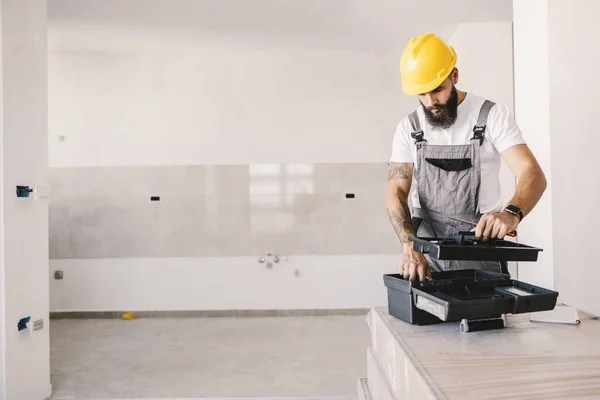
479	299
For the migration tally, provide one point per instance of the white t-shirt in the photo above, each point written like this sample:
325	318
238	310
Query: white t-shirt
501	133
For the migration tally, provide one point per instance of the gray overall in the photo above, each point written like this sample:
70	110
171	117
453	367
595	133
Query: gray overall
448	180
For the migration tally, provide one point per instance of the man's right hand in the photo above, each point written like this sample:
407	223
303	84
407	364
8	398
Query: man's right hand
413	265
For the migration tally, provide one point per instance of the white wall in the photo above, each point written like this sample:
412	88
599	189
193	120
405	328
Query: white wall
532	111
574	82
186	82
24	259
2	278
304	95
228	103
325	282
556	80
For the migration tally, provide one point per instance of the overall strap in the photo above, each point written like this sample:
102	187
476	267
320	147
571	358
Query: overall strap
479	128
417	133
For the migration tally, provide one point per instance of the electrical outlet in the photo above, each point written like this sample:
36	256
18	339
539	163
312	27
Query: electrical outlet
58	274
41	192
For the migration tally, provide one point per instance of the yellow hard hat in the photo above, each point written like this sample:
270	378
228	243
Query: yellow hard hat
425	63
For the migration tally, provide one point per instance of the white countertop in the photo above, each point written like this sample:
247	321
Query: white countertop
525	360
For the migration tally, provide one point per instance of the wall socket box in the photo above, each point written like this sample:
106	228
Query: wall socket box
38	324
58	274
41	192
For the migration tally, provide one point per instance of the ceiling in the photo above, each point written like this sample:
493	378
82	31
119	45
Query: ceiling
129	25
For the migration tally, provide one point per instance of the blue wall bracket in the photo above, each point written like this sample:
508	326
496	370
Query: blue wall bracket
22	324
23	191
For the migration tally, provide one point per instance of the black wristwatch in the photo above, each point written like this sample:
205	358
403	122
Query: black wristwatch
514	210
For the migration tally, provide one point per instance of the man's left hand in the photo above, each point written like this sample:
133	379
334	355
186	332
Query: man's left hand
496	225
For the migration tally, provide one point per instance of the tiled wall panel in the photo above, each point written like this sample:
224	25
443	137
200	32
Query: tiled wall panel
229	210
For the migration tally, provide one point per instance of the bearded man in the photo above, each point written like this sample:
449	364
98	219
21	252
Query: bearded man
449	150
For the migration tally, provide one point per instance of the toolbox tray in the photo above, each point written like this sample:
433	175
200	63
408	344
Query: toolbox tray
463	294
465	246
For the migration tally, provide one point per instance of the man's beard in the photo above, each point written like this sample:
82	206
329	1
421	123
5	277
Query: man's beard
447	112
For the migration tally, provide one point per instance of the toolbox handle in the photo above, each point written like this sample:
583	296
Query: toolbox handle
433	308
460	238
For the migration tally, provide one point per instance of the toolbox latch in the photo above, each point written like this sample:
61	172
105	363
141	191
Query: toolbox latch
484	324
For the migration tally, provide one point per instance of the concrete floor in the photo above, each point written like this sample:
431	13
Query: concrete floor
208	357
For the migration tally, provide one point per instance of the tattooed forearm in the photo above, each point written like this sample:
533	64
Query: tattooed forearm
398	171
398	188
401	221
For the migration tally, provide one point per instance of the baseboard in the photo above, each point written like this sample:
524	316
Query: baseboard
208	313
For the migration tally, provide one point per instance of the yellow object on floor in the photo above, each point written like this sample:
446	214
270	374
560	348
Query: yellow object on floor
128	316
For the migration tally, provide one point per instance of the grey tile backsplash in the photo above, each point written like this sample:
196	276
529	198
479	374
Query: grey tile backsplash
228	210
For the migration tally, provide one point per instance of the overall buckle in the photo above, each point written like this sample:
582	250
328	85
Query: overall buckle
418	136
478	132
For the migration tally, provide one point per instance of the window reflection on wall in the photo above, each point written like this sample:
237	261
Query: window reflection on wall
274	190
299	178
